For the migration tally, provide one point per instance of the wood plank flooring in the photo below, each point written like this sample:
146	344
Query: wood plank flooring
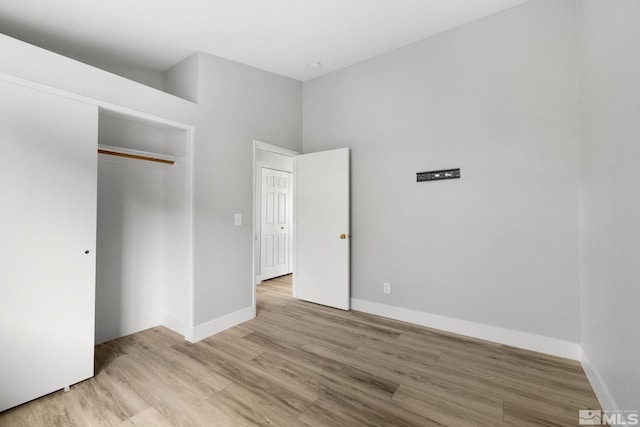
300	364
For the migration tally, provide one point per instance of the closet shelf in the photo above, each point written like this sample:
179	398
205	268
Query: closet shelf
136	154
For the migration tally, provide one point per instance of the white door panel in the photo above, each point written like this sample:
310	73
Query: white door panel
275	224
322	249
48	177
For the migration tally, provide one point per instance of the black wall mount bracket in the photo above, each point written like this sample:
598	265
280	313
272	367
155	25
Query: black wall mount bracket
438	175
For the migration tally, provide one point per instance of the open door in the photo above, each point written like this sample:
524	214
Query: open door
321	272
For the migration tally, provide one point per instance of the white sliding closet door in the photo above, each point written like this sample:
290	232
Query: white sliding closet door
47	242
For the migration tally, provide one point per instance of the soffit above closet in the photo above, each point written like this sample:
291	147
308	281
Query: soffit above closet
281	36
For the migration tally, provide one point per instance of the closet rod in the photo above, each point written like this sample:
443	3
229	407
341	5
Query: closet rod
135	154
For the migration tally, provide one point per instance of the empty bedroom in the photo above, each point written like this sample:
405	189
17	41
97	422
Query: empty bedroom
319	213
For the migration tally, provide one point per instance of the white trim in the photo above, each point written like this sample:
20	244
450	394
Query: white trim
294	231
173	323
191	281
599	387
222	323
125	327
526	340
136	324
108	106
259	145
254	236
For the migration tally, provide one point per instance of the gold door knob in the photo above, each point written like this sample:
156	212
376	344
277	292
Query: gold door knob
343	236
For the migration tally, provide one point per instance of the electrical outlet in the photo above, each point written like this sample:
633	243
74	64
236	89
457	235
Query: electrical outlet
386	286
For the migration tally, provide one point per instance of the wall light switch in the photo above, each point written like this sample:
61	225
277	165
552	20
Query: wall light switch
238	220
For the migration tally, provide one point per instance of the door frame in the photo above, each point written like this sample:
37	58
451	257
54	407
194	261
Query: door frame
187	327
259	145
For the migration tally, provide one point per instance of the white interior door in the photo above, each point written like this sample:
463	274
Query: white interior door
322	255
275	223
48	176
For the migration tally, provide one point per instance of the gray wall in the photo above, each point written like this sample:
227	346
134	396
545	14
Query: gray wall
182	79
610	208
151	78
497	98
236	104
129	276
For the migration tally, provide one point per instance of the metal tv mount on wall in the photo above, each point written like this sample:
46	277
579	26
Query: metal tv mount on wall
438	175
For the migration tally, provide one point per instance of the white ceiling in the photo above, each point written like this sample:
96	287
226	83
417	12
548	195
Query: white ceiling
281	36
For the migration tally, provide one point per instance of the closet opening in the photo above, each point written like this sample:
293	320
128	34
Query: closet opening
144	232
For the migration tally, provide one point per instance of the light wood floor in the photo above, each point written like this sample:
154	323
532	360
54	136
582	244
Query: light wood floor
303	364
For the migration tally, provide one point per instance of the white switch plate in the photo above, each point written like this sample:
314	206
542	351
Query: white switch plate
386	287
238	220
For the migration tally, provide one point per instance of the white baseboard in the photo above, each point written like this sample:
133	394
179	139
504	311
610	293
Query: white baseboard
173	323
599	387
220	324
526	340
126	327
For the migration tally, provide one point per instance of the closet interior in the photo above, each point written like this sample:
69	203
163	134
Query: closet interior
143	265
